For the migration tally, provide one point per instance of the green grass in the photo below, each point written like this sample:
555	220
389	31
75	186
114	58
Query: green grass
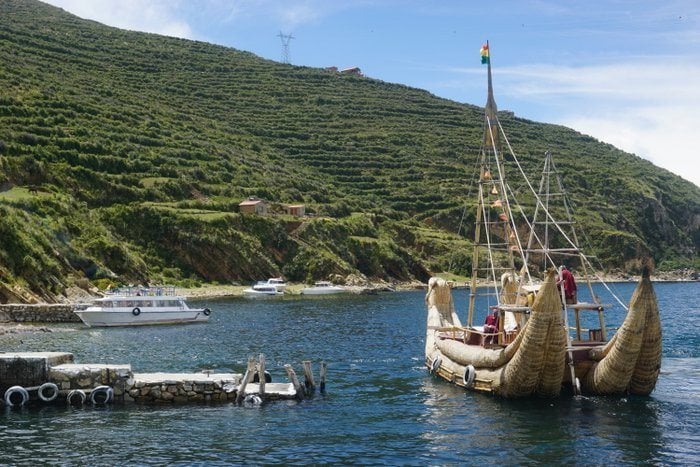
114	126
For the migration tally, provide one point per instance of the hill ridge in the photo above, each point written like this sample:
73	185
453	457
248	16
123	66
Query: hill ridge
141	147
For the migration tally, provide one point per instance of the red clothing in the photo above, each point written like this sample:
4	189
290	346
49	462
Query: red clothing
492	320
569	283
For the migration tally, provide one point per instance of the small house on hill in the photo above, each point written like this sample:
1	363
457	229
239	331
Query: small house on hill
298	210
253	205
352	71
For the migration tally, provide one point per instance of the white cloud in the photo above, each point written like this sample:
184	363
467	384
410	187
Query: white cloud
156	16
646	107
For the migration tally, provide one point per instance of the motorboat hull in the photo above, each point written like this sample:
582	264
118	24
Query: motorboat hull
100	318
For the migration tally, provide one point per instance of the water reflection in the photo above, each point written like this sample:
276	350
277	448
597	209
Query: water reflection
381	405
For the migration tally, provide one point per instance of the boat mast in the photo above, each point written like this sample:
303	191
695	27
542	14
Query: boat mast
491	183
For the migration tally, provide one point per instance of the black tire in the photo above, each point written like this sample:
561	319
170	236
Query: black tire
48	392
136	311
207	312
268	377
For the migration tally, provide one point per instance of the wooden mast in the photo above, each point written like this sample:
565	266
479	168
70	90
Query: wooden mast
489	143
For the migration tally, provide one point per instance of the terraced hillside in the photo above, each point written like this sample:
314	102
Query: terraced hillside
124	155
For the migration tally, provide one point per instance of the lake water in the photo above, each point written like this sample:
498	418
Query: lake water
381	406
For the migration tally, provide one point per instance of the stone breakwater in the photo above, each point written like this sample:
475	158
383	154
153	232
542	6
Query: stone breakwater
38	313
31	370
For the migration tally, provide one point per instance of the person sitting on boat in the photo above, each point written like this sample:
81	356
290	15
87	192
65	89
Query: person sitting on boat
569	285
491	327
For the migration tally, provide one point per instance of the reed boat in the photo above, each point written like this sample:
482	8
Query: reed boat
534	341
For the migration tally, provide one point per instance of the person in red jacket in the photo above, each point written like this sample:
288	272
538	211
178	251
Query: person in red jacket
569	282
491	326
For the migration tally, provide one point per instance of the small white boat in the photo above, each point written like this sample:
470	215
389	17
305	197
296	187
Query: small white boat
139	306
270	288
323	288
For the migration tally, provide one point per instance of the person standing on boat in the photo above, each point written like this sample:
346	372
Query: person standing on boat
569	285
491	326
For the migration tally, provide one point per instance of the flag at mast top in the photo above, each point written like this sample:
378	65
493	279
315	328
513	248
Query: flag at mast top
485	54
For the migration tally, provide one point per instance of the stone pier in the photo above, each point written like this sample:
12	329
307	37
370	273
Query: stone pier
31	369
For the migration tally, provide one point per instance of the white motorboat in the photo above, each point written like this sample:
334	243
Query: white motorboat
323	288
138	306
270	288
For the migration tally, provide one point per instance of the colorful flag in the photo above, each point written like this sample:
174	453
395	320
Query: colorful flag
485	54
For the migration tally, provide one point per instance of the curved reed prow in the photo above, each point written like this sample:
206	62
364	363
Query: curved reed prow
538	366
632	363
646	371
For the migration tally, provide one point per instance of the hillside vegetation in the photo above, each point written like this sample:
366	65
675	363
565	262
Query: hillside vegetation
124	155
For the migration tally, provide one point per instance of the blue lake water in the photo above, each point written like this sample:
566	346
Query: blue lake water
381	405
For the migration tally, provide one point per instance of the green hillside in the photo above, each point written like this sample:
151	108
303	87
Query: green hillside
124	155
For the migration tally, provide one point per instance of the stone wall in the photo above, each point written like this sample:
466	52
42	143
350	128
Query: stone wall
88	376
156	388
41	313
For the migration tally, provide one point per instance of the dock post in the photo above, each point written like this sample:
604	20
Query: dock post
261	375
295	381
308	376
244	382
322	383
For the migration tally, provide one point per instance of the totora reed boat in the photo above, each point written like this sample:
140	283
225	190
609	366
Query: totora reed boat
533	341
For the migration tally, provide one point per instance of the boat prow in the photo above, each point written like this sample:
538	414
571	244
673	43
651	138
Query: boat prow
631	361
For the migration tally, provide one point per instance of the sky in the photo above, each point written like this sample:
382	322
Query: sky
624	72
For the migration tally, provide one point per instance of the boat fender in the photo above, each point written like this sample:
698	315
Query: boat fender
436	364
577	387
76	397
207	312
469	376
136	311
268	377
101	395
252	400
47	392
10	394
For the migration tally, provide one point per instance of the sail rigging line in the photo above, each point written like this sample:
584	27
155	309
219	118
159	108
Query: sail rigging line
464	211
537	197
585	262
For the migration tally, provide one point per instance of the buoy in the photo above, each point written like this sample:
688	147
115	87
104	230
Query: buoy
76	397
48	392
101	395
11	396
469	376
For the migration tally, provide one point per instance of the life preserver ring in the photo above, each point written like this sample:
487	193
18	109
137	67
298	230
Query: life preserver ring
469	376
136	311
436	364
71	397
101	395
52	392
207	312
12	391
